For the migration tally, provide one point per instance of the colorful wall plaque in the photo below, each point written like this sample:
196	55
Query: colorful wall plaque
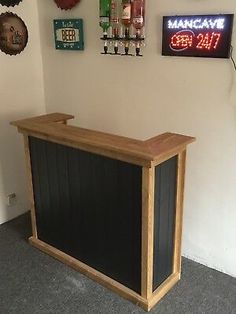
13	34
66	4
69	34
10	3
197	35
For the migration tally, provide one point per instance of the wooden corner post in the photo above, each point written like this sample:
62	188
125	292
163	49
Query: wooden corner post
179	212
30	186
147	232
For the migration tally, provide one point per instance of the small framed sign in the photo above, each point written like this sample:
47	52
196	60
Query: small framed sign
197	35
69	34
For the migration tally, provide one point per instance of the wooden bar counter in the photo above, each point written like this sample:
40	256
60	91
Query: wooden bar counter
108	206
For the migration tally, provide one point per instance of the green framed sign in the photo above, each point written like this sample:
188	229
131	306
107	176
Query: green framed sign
69	34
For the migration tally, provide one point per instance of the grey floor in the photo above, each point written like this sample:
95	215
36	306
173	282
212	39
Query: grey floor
32	282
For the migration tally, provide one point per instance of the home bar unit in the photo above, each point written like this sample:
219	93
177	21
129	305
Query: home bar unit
111	207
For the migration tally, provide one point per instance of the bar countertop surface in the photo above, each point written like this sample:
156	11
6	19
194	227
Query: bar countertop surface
51	127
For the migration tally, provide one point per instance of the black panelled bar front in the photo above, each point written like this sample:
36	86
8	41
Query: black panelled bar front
89	207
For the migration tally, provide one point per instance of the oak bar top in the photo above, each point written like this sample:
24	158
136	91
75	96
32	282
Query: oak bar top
52	127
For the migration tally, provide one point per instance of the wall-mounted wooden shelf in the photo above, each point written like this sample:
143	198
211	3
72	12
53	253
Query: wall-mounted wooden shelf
106	205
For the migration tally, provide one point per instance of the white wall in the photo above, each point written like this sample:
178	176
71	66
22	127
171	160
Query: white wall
21	95
142	97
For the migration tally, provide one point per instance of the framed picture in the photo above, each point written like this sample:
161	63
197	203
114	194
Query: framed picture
13	34
69	34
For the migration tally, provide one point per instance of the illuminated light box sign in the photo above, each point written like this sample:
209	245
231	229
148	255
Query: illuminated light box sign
197	35
69	34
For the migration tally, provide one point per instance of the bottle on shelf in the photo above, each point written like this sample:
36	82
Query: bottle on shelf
115	21
105	6
138	21
126	21
126	16
138	16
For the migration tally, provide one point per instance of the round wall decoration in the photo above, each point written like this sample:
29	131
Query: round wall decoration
13	34
66	4
10	3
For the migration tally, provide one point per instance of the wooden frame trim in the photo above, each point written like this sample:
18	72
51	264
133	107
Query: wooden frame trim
162	290
30	186
179	212
168	156
147	232
90	272
46	118
62	122
141	152
92	149
146	303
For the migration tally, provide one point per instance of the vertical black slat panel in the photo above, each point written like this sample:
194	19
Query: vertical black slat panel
52	216
64	192
136	219
76	202
164	220
122	209
95	210
41	182
130	225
